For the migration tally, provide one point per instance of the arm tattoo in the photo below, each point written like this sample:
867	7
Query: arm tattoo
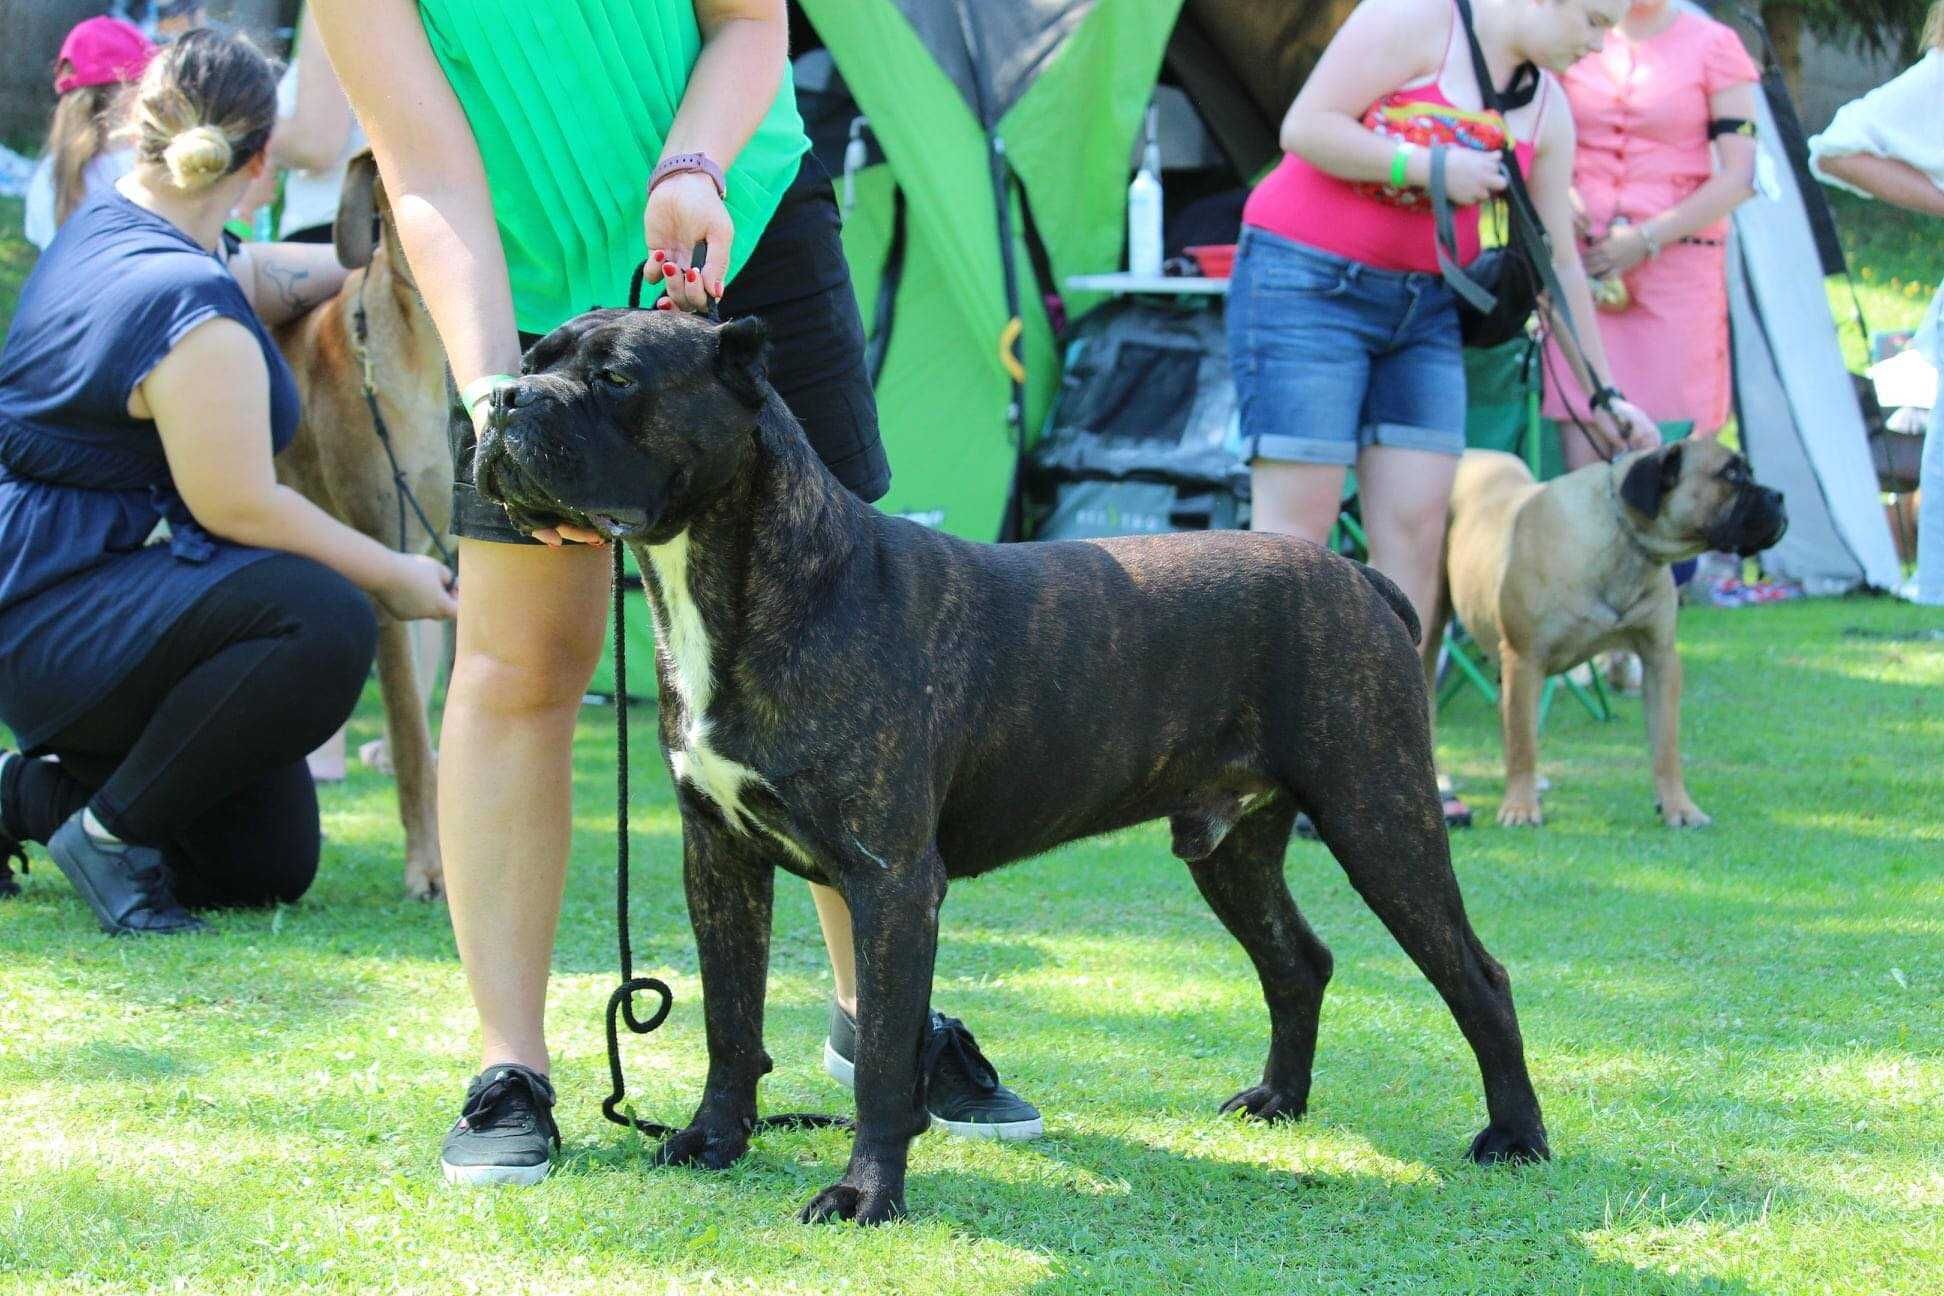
293	287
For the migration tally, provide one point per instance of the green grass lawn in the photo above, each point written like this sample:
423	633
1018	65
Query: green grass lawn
1737	1034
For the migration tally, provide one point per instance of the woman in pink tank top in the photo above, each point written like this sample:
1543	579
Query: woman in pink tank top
1343	337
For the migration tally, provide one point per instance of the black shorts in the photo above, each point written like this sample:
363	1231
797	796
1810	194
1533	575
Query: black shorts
798	281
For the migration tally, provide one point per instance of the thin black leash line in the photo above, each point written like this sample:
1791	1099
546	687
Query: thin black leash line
620	1005
361	332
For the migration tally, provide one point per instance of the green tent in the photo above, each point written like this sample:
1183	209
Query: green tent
1008	124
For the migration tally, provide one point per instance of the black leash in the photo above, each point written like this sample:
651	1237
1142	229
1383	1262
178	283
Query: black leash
620	1005
1524	227
361	332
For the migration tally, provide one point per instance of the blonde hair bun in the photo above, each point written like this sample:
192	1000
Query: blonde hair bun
197	158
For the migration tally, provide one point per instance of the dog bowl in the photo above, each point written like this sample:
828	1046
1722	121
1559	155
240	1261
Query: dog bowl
1215	260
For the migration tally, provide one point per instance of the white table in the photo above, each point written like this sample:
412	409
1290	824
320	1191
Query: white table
1121	283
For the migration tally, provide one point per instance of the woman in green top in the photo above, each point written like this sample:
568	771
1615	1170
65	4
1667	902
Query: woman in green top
517	141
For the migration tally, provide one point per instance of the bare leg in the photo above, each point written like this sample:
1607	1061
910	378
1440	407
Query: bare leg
1406	502
1295	498
530	631
834	916
1406	498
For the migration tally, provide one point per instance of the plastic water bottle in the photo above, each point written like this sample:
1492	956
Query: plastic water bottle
1144	207
855	156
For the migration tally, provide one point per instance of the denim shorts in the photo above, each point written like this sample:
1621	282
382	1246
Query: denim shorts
1331	355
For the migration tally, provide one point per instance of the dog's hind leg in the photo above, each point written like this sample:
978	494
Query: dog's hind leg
730	888
409	736
1242	880
1386	832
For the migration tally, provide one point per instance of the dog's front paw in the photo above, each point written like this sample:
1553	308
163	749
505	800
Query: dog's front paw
1267	1104
1520	809
843	1201
1499	1145
1681	812
424	879
709	1147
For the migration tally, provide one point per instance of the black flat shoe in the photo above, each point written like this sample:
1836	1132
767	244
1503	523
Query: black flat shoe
127	886
11	852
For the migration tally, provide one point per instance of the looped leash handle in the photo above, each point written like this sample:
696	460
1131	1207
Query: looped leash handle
637	282
621	1006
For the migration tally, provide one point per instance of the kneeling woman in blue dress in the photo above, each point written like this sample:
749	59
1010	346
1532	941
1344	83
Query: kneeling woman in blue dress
177	631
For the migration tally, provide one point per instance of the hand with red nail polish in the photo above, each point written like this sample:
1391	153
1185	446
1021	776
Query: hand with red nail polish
684	210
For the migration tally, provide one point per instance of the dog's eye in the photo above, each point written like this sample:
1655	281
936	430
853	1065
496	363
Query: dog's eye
615	378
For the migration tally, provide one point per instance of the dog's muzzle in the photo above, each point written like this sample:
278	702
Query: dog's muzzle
1756	522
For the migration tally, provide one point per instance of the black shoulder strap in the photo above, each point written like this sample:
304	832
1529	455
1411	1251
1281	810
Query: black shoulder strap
1525	228
1521	90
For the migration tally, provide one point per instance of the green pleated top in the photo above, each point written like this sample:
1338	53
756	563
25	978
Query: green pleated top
570	101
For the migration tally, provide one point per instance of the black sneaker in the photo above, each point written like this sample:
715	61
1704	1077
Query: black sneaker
506	1132
962	1090
127	886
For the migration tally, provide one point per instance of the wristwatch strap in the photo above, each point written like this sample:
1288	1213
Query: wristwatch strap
678	163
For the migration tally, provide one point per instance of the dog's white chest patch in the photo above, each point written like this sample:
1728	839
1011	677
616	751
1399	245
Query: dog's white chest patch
688	656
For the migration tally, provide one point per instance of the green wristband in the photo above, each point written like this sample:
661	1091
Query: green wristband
1400	165
482	387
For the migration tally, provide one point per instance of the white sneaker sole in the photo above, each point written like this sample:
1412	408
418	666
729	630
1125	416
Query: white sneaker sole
839	1068
484	1176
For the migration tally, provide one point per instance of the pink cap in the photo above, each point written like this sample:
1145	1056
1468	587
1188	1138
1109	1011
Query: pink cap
102	51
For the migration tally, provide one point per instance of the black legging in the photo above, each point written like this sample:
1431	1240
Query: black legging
201	749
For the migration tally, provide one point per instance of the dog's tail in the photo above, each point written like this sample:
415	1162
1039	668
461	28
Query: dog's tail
1395	597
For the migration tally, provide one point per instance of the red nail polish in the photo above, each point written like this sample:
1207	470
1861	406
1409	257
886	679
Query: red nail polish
692	276
657	257
668	271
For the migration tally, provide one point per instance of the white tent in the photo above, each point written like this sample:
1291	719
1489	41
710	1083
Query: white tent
1801	424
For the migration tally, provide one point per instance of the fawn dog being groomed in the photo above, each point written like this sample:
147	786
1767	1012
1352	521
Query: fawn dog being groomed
339	461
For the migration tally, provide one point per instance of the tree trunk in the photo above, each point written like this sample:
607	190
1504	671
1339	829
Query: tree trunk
1784	21
31	32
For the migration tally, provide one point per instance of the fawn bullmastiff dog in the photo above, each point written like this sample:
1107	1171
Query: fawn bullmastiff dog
1545	577
339	464
886	709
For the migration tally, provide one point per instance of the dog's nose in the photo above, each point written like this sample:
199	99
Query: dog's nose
510	396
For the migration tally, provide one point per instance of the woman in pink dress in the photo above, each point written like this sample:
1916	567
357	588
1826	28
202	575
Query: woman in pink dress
1666	151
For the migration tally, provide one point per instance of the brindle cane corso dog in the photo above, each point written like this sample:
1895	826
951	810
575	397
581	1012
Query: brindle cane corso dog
883	708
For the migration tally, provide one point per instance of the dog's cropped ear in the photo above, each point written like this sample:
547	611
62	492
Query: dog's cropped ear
742	359
1652	479
354	233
